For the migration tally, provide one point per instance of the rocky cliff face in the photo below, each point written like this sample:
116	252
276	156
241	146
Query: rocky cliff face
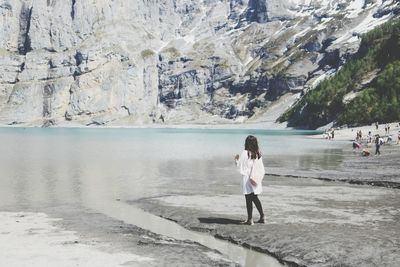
116	62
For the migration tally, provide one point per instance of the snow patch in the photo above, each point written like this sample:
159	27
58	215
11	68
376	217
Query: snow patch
364	26
355	8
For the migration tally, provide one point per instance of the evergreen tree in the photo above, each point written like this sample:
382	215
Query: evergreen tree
379	52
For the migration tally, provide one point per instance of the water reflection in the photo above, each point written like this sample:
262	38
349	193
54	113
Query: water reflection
325	159
52	167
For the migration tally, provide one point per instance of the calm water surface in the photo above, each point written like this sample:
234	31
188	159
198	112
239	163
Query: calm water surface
93	167
40	166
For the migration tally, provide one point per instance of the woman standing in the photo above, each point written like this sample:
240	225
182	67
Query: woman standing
251	189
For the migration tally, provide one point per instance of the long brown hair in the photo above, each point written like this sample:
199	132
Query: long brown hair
251	145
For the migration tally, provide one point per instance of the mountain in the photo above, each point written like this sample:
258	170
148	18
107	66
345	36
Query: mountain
115	62
365	90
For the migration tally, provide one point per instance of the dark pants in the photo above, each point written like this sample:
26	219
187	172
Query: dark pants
250	198
377	149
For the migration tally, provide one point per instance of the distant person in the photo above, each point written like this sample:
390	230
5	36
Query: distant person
359	136
357	145
369	137
365	153
325	135
386	129
376	125
333	134
381	141
249	163
377	144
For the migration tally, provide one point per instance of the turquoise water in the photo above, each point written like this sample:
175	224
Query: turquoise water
156	143
124	131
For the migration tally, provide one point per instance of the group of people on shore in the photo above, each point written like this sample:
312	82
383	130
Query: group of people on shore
330	135
376	140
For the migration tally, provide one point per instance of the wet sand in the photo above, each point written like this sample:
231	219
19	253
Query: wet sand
310	222
29	239
90	238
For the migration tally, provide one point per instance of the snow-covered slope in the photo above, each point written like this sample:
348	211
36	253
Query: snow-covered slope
173	61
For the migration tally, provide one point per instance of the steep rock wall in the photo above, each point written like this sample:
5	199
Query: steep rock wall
173	61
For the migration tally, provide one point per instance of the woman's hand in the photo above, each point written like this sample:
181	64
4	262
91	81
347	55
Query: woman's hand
236	157
253	183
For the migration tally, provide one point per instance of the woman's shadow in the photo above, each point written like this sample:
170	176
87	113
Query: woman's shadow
219	220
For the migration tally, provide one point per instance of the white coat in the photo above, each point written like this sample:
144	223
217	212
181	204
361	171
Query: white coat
244	165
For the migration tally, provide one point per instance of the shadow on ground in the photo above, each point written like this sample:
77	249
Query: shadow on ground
219	220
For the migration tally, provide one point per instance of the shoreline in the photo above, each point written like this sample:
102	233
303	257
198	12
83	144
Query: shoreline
356	169
249	127
350	134
387	184
205	125
341	134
